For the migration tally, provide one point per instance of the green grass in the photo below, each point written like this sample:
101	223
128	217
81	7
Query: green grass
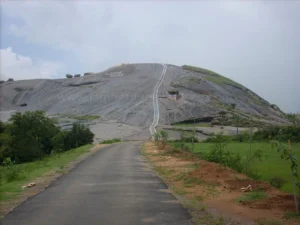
291	215
200	70
271	164
252	196
110	141
26	172
213	76
191	125
223	80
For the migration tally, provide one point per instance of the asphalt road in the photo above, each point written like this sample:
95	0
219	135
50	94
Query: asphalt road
113	187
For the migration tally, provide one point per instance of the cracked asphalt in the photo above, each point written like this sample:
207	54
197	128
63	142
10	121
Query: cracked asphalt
115	186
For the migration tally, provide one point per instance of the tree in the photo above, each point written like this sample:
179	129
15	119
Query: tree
30	135
5	150
222	114
287	154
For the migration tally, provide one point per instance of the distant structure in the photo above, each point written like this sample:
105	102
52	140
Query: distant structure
173	94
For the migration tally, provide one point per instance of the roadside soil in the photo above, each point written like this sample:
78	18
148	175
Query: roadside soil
44	181
218	188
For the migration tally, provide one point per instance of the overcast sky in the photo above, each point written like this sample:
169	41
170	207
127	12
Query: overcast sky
256	43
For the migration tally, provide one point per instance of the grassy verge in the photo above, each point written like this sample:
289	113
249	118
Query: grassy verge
252	196
16	176
271	164
180	182
110	141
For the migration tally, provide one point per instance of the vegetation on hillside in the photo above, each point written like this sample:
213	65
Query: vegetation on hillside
32	135
213	76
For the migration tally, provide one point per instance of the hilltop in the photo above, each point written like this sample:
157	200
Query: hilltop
124	94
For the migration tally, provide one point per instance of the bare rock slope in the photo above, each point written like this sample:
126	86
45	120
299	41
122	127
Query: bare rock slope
124	94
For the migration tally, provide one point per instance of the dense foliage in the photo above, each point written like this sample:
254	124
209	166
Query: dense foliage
32	135
280	133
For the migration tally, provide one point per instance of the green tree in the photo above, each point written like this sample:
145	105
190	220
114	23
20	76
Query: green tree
30	135
287	154
5	150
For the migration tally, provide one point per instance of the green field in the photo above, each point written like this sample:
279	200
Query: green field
271	165
14	177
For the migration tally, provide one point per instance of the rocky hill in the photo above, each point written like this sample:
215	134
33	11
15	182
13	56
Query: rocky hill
124	94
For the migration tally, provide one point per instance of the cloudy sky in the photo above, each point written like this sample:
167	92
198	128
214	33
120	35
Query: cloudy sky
256	43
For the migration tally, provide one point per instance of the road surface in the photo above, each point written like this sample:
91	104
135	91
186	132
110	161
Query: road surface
113	187
155	101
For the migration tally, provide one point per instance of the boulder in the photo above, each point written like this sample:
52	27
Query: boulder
69	76
88	74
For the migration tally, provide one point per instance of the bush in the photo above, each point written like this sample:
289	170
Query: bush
77	75
69	76
277	182
10	80
2	81
280	133
220	154
12	172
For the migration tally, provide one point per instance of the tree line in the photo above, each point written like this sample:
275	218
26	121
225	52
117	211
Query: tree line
32	135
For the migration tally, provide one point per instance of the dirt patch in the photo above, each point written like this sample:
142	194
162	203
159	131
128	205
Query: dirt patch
218	188
216	174
44	181
280	202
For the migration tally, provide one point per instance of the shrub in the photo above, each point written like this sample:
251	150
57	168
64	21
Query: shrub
10	80
12	172
69	76
252	196
77	75
277	182
280	133
220	154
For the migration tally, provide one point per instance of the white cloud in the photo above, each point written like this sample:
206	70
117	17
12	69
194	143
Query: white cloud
248	42
21	67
